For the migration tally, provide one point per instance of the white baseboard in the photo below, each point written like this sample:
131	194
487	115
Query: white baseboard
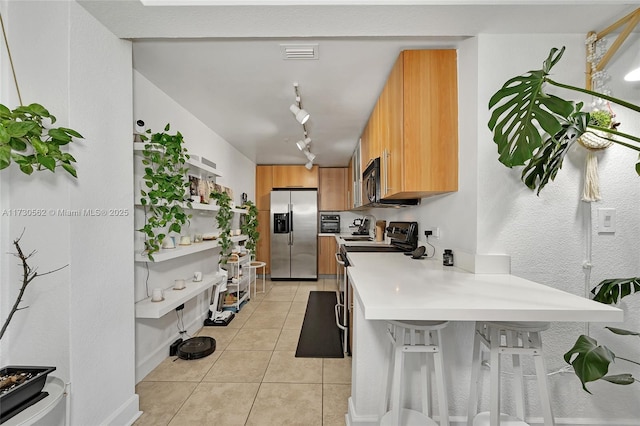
352	418
128	413
155	357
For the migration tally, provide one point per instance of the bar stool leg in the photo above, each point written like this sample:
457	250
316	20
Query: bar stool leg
475	375
541	372
512	341
438	365
396	390
495	377
391	356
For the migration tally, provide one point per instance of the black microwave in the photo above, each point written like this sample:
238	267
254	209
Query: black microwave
371	189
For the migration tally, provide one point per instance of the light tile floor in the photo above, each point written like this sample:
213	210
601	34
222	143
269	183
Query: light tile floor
253	377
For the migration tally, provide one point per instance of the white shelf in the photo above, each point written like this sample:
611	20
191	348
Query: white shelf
55	387
174	298
204	207
200	166
193	163
179	251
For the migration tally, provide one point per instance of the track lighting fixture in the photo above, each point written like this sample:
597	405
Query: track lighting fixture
302	117
303	144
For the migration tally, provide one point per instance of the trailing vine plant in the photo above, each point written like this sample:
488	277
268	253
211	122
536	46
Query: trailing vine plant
165	187
250	226
26	139
223	219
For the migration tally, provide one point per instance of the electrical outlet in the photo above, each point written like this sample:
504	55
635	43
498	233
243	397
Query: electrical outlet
435	232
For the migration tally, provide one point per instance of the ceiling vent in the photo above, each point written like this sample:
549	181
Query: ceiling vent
299	51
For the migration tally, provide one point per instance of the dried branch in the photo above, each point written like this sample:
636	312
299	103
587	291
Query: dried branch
28	275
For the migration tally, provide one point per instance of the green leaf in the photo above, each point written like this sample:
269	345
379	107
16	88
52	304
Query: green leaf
622	332
26	168
47	162
610	291
519	107
4	134
5	156
4	111
39	146
166	128
18	129
620	379
72	132
38	109
17	144
59	136
590	362
69	168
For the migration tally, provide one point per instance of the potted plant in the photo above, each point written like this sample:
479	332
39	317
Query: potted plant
165	187
21	384
535	129
26	141
223	219
249	226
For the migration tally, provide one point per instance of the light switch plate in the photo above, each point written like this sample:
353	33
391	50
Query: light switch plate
606	220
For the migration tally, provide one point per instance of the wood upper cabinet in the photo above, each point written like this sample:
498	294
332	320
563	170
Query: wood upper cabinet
263	245
416	126
295	177
332	193
327	256
264	184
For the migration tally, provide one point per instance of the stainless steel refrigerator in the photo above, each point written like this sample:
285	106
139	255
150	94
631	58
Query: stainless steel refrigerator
294	234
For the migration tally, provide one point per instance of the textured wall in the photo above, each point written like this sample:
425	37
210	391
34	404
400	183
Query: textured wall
545	236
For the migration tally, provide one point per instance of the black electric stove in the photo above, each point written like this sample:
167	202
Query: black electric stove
404	238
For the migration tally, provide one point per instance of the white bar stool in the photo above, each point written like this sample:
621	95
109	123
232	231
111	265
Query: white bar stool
254	265
423	337
502	338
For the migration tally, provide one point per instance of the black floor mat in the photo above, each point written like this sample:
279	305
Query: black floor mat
320	337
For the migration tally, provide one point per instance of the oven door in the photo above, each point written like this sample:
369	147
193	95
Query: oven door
342	307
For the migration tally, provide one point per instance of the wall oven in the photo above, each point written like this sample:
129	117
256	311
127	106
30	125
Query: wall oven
329	224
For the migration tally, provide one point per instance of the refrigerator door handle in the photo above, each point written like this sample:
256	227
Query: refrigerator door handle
290	224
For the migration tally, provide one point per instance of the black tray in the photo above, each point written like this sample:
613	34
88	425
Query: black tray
12	402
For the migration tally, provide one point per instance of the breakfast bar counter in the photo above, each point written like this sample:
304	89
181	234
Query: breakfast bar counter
390	286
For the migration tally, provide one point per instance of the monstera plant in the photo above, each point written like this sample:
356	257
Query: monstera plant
535	129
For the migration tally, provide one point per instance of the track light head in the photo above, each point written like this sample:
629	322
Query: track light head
303	144
301	115
310	156
309	165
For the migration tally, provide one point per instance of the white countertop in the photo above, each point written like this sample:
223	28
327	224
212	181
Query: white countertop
394	286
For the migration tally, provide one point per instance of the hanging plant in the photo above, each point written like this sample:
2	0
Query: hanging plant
223	219
24	138
250	226
25	141
165	187
535	129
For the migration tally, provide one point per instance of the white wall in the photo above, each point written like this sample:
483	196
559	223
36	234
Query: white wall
81	318
545	236
156	109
